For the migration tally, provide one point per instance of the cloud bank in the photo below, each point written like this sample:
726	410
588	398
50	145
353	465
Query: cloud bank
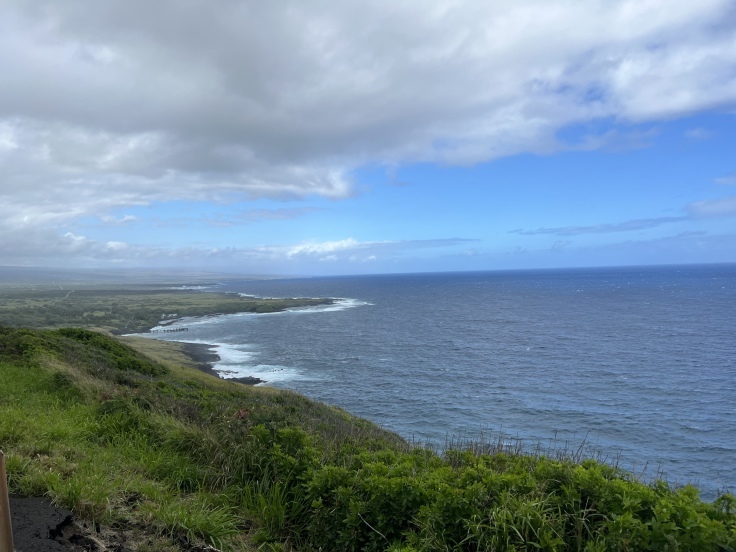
290	257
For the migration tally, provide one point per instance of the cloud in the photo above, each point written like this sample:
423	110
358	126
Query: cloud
123	103
109	219
627	226
698	133
354	250
56	250
728	180
110	105
724	206
349	244
682	248
708	208
116	245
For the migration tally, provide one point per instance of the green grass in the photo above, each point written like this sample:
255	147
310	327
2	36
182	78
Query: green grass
141	442
125	310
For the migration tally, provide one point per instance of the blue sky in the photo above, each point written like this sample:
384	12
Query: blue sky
366	138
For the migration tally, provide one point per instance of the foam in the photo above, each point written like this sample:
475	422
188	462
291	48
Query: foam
238	361
196	287
188	321
340	304
269	373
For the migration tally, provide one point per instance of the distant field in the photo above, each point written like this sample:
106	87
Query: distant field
124	310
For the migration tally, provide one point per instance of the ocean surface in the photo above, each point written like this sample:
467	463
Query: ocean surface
639	364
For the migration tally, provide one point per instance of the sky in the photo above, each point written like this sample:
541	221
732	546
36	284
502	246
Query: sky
309	137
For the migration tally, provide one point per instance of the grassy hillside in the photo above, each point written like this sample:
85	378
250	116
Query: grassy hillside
178	458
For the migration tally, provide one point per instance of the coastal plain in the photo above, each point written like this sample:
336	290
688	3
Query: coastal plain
129	309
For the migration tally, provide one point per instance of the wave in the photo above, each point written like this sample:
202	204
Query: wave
238	361
338	305
189	321
268	373
196	286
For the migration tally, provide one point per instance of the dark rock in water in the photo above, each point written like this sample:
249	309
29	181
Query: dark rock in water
247	380
205	357
36	524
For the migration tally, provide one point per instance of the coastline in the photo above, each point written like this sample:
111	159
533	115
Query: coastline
201	355
204	358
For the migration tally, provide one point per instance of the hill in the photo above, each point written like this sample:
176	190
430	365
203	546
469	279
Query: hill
174	459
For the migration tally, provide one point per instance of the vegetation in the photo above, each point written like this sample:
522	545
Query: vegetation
148	445
125	310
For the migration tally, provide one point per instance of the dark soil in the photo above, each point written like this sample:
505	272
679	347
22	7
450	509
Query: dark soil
39	526
36	524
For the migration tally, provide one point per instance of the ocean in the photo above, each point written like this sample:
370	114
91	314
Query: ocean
636	365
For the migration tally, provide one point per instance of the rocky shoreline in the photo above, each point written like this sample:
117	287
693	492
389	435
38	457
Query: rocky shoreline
204	358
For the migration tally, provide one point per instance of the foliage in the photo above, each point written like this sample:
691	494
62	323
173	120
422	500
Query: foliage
122	439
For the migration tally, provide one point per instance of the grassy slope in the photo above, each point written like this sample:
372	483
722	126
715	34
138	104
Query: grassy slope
153	447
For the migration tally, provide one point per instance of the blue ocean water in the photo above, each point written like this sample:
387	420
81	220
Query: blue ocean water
638	362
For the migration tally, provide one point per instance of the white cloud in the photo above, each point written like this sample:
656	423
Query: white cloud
327	247
122	220
116	245
57	250
107	105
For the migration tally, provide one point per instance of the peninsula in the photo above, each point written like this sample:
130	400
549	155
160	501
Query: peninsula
130	309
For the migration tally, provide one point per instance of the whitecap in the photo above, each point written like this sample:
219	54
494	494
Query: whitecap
339	304
268	373
239	361
196	287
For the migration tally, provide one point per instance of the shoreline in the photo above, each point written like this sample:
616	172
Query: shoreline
204	358
201	354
